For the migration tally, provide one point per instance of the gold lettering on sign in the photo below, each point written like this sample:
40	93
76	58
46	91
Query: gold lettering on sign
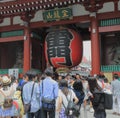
49	15
56	14
64	12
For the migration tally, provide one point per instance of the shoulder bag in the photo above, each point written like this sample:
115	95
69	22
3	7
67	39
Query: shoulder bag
27	107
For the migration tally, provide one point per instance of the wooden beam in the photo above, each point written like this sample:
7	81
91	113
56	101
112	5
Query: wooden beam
11	27
108	15
109	28
115	5
10	39
77	19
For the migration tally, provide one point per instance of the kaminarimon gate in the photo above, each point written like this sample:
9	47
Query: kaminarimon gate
25	23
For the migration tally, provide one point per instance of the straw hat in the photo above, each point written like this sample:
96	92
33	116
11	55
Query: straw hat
6	80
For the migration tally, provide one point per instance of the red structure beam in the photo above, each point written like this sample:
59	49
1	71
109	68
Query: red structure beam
11	27
108	15
77	19
109	28
10	39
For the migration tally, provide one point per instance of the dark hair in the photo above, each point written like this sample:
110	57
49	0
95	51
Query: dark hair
19	88
63	84
115	76
93	84
31	74
25	75
42	77
13	78
78	85
105	80
78	75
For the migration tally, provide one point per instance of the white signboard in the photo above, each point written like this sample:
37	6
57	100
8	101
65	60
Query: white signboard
14	72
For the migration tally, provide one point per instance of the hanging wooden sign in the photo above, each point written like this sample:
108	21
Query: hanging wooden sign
57	14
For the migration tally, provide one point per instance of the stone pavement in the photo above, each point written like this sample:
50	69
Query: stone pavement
88	114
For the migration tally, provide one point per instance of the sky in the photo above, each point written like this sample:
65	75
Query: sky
87	49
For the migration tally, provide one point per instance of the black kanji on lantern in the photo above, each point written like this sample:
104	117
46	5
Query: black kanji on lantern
58	45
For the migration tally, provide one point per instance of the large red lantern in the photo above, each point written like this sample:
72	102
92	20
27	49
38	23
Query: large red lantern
63	48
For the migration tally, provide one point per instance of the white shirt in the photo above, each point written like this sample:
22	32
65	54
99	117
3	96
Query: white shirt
115	86
71	95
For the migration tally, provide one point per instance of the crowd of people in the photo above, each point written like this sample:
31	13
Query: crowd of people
49	95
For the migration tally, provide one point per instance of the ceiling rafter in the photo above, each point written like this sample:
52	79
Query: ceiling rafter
19	6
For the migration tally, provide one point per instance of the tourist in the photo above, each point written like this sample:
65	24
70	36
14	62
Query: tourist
65	95
48	94
31	95
6	94
115	84
97	98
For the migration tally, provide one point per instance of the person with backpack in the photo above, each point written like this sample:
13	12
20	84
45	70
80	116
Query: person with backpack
67	100
97	98
6	93
48	94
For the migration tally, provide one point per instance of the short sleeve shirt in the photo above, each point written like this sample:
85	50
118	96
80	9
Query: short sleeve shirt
71	95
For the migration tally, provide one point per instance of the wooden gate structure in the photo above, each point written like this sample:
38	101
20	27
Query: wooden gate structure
24	24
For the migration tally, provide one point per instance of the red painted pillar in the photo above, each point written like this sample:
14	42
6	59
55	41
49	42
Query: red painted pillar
26	17
27	50
95	45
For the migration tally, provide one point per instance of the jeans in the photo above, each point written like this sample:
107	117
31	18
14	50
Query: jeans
34	115
45	114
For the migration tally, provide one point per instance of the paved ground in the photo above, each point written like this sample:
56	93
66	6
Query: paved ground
88	114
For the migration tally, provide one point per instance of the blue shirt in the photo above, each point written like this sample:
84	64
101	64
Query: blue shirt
35	100
21	82
49	88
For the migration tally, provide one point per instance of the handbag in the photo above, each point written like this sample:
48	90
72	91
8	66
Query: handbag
108	101
8	101
27	107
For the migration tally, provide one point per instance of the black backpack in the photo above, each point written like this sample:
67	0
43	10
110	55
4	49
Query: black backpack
72	109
